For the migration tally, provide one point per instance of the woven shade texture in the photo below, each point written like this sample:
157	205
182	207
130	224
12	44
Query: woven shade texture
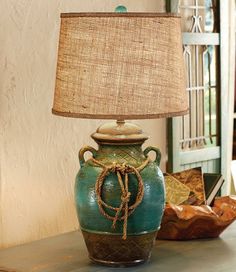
120	66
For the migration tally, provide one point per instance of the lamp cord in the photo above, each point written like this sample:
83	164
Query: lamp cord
121	170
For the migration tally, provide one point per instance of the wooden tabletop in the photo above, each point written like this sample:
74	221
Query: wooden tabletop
67	253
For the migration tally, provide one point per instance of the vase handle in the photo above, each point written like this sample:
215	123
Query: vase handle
156	150
83	150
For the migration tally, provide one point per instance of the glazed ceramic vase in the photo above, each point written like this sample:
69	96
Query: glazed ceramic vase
119	195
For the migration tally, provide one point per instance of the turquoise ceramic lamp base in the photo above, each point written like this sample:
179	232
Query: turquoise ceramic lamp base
119	195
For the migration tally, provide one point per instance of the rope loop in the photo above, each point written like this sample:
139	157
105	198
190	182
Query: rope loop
124	210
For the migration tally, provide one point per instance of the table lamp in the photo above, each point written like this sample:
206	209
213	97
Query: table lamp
120	66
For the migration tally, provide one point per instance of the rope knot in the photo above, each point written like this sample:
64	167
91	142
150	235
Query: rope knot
126	197
112	168
124	210
122	168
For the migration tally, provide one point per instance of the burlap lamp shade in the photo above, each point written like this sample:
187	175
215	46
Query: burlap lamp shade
120	66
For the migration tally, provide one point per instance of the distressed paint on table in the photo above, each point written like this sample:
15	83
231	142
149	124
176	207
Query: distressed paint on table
67	253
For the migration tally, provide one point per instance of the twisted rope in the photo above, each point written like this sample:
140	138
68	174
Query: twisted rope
120	170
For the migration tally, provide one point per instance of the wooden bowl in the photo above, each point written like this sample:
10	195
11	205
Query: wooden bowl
186	222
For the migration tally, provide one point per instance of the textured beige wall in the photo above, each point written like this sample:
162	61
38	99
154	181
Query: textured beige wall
38	151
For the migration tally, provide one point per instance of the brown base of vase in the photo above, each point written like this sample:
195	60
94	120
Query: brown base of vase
111	250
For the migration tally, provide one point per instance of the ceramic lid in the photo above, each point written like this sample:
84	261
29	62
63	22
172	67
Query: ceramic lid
119	133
